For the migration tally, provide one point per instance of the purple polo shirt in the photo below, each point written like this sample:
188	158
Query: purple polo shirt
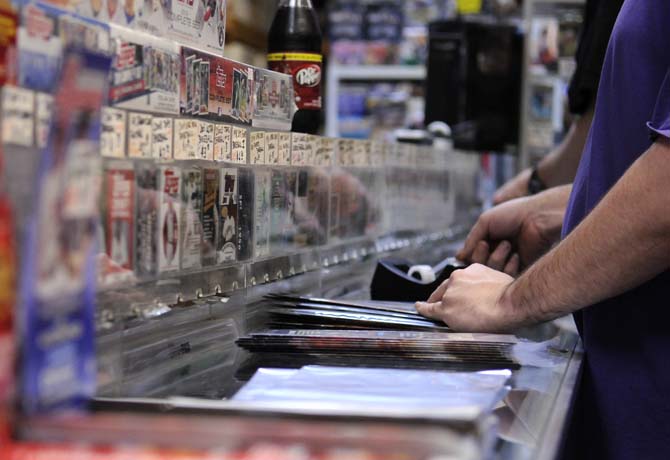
626	387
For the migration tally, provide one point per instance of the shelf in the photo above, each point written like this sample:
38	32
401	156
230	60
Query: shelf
377	72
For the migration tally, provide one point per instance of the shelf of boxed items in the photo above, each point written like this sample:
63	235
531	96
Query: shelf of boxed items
338	73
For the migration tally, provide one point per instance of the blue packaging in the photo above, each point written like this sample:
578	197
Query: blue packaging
58	273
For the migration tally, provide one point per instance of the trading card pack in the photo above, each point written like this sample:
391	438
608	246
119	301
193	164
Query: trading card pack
139	135
120	225
262	190
192	200
229	206
273	100
146	246
211	220
169	230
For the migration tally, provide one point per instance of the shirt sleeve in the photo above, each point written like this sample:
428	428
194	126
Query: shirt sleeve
600	17
659	125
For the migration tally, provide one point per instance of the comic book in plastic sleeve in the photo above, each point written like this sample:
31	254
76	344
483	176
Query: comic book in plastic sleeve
192	194
169	222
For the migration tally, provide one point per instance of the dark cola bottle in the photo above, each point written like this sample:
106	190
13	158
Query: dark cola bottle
294	48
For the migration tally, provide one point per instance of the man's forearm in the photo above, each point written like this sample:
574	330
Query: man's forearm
623	243
560	166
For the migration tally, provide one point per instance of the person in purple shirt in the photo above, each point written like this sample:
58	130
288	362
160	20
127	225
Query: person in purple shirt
612	266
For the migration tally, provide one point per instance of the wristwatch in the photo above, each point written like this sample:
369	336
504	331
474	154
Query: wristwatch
535	184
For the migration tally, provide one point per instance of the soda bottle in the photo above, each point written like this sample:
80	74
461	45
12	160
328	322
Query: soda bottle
294	48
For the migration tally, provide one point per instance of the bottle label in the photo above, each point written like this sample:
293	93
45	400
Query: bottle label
305	68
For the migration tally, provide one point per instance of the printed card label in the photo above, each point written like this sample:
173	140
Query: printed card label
257	148
325	152
284	148
346	151
139	135
239	146
300	146
272	148
18	123
222	140
162	135
113	137
186	133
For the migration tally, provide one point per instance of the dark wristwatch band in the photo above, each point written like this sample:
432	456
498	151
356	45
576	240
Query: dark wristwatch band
535	184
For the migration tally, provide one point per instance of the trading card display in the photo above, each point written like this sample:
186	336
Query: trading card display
169	231
113	136
139	135
120	226
192	201
229	205
273	99
145	72
147	221
211	217
162	136
262	190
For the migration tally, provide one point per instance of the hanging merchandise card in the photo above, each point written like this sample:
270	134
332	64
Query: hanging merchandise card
272	147
325	152
239	146
257	152
245	213
273	100
119	222
201	24
279	211
192	194
262	191
169	231
145	72
18	123
186	133
161	139
139	135
205	140
113	137
284	148
211	222
222	140
57	298
147	221
43	111
229	196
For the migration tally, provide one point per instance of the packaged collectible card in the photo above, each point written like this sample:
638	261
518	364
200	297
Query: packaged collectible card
139	135
257	151
211	220
245	214
145	72
146	247
201	24
222	142
229	205
169	230
59	265
243	85
204	85
273	100
119	219
262	190
196	76
205	140
192	201
113	136
162	135
280	212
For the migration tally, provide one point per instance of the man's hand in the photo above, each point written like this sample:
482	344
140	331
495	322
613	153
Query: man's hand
515	234
474	300
516	187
